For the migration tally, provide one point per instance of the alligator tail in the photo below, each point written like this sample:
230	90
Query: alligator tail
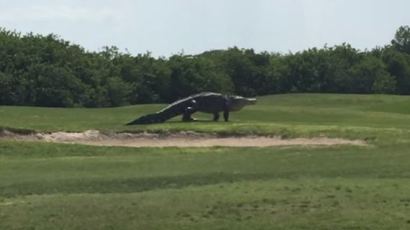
147	119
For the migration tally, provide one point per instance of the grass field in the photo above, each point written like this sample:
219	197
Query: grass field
57	186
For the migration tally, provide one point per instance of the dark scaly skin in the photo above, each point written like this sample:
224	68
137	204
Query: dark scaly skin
206	102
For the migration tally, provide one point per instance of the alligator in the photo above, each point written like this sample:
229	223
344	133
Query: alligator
207	102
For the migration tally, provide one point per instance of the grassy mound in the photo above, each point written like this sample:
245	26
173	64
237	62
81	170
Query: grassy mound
351	116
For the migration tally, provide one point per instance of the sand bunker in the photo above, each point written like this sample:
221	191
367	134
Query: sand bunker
185	139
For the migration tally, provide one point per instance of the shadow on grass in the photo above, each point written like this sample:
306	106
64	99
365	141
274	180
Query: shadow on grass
125	185
179	122
16	131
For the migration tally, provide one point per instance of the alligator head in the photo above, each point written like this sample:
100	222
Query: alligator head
236	103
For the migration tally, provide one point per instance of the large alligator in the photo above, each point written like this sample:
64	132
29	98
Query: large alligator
207	102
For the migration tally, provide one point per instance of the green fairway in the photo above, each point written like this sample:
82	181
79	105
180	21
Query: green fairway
66	186
297	114
52	186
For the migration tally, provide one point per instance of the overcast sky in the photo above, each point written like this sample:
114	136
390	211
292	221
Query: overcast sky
167	27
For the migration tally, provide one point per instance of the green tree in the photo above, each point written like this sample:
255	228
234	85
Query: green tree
7	96
401	40
370	75
384	83
117	91
191	75
55	86
398	65
48	71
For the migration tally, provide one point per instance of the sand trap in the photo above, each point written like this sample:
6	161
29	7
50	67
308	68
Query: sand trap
186	139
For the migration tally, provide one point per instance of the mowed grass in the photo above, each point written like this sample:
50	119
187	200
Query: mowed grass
57	186
272	114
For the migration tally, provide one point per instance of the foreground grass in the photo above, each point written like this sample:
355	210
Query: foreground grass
54	186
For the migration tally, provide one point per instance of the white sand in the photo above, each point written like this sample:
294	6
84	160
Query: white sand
94	137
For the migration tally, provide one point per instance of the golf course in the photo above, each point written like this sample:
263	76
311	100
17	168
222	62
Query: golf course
205	115
48	185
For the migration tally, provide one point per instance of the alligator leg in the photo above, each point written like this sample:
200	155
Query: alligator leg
186	116
226	115
216	116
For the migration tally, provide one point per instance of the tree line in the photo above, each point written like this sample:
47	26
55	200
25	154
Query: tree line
39	70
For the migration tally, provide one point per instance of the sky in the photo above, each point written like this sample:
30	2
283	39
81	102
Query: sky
167	27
